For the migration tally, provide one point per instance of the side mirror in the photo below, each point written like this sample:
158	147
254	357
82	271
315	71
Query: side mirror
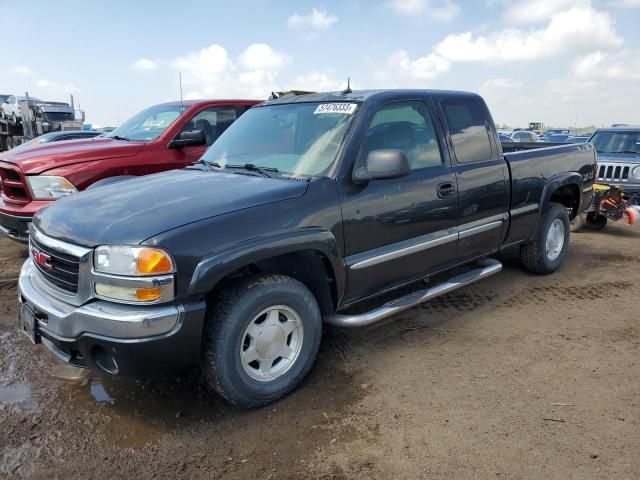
189	138
383	164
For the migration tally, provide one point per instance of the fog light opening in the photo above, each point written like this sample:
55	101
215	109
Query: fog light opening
104	360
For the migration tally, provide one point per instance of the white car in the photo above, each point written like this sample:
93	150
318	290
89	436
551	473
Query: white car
524	136
11	107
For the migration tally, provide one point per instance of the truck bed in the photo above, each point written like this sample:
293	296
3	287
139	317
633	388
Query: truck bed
532	171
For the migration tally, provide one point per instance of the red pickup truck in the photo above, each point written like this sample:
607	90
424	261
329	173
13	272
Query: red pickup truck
163	137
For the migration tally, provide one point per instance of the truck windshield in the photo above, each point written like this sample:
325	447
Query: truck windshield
296	139
149	124
616	142
59	116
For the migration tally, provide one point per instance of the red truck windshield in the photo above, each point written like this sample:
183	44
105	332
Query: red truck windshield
149	124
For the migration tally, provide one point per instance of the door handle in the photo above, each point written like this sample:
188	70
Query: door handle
446	190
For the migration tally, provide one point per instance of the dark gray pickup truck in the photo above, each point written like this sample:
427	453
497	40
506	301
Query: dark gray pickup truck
305	207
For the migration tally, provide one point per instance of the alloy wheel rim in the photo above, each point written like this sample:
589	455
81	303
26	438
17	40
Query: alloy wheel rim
271	343
555	239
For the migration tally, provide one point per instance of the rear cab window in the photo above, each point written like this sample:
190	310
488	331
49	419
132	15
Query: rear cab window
466	119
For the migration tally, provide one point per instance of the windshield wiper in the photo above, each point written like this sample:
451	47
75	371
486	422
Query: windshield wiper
118	137
264	171
620	151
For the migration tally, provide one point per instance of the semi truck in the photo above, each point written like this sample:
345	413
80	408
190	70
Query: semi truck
34	118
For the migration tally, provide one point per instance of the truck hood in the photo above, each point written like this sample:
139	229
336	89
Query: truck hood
45	156
619	157
131	211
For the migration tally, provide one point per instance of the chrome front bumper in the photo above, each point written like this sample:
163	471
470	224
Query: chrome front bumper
102	318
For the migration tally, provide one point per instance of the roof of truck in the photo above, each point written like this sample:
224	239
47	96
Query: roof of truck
191	103
359	95
621	128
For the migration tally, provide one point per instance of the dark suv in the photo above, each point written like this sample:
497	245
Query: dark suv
618	157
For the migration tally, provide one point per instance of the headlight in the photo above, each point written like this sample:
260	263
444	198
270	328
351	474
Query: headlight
133	274
121	260
46	187
636	172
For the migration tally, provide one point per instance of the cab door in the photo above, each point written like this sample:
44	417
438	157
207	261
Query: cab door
400	229
213	121
482	176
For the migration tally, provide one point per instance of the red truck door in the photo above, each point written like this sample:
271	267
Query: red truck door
213	121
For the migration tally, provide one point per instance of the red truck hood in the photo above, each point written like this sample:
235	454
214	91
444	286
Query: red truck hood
39	158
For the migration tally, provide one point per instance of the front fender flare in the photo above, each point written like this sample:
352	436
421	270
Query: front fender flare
214	267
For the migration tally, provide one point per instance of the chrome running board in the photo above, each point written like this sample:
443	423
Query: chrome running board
487	268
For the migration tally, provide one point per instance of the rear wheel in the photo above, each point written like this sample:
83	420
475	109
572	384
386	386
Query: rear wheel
546	251
261	339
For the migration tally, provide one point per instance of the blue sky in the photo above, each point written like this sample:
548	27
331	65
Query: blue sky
560	61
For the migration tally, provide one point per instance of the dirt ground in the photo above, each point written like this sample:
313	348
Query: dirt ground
515	377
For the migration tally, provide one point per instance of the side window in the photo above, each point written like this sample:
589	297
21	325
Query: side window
405	126
466	121
213	121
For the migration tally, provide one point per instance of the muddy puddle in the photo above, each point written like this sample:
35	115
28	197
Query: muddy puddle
136	413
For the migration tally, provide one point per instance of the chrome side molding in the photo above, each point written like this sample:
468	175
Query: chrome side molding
486	268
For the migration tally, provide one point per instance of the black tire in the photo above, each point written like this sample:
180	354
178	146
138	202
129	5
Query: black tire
229	316
578	222
109	181
533	254
595	221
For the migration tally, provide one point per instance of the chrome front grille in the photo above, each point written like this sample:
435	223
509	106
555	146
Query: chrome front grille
614	172
63	269
60	269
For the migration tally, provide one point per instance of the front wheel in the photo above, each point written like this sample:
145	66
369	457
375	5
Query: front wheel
261	339
546	251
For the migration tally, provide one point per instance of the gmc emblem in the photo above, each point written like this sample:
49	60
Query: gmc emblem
41	258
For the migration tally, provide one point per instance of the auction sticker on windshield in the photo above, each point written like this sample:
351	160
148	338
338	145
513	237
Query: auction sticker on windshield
346	108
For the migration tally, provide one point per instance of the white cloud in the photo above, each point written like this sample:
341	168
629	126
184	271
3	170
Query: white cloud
262	57
22	70
533	11
210	72
407	7
143	64
628	3
438	9
55	88
575	30
318	81
623	65
317	20
445	10
400	70
205	64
